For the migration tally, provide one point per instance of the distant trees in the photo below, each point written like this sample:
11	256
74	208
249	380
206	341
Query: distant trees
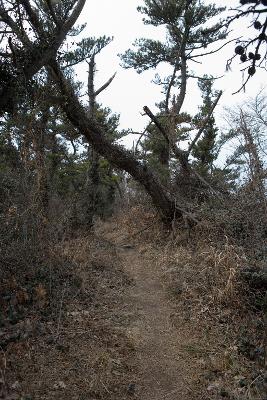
248	125
186	23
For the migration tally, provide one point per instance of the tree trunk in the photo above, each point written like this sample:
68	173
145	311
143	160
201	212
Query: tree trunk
39	148
93	173
115	154
92	187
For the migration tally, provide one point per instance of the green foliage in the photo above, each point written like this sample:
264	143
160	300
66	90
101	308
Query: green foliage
184	22
77	30
109	122
156	150
84	50
188	32
205	150
99	191
149	55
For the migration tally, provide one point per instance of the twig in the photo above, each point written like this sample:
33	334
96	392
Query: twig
215	51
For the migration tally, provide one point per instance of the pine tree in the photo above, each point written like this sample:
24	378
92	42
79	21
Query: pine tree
205	149
188	36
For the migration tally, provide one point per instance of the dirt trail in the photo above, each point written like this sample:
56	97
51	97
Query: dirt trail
163	369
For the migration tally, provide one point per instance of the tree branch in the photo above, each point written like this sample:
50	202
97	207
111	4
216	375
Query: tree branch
33	17
103	87
72	19
52	12
180	154
206	120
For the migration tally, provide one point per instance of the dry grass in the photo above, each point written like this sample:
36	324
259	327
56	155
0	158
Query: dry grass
137	224
69	342
205	272
69	323
216	305
214	308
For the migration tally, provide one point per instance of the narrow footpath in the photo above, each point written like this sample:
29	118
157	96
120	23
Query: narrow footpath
163	368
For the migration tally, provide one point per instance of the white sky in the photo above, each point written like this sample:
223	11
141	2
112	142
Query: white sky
130	91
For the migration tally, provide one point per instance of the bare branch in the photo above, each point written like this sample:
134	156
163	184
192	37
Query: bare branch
103	87
180	154
90	86
171	83
157	123
214	51
14	27
243	85
33	17
141	136
205	79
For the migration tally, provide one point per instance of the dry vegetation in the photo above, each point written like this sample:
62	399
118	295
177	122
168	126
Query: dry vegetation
62	328
65	323
219	300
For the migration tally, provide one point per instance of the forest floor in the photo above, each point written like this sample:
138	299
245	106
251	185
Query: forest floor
107	324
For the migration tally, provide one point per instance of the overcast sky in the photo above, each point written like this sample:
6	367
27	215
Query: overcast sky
130	91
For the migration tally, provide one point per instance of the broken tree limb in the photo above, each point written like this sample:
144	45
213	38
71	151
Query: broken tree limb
103	87
180	154
206	120
154	119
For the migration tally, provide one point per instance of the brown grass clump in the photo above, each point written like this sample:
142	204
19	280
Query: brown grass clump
223	315
206	272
